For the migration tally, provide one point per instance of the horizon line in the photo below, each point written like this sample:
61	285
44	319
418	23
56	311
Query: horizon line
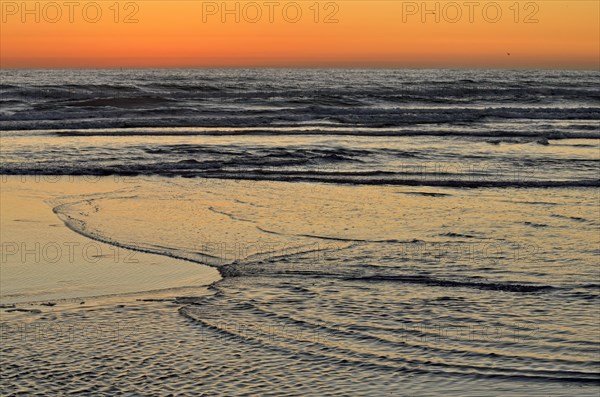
313	67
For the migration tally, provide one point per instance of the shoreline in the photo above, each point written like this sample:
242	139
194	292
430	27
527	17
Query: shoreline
44	259
350	307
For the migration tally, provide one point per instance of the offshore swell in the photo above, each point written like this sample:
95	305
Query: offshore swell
384	283
438	128
258	98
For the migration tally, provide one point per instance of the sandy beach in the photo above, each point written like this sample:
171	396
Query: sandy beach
297	299
42	259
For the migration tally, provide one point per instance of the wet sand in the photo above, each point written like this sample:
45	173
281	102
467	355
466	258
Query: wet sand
328	290
42	259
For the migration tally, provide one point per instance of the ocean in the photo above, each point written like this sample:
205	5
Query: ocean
376	232
421	127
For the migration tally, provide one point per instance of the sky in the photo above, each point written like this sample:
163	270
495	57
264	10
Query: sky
345	33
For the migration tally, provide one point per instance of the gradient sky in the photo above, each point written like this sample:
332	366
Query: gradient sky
192	33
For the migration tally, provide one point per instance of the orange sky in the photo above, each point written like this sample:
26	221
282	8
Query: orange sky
368	33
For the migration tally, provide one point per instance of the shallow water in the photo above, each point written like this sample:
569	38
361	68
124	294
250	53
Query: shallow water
504	287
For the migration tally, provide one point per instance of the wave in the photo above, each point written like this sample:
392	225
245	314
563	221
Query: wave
151	112
425	280
375	178
299	130
122	102
356	99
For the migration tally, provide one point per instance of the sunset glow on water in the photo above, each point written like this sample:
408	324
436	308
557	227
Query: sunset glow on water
348	198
